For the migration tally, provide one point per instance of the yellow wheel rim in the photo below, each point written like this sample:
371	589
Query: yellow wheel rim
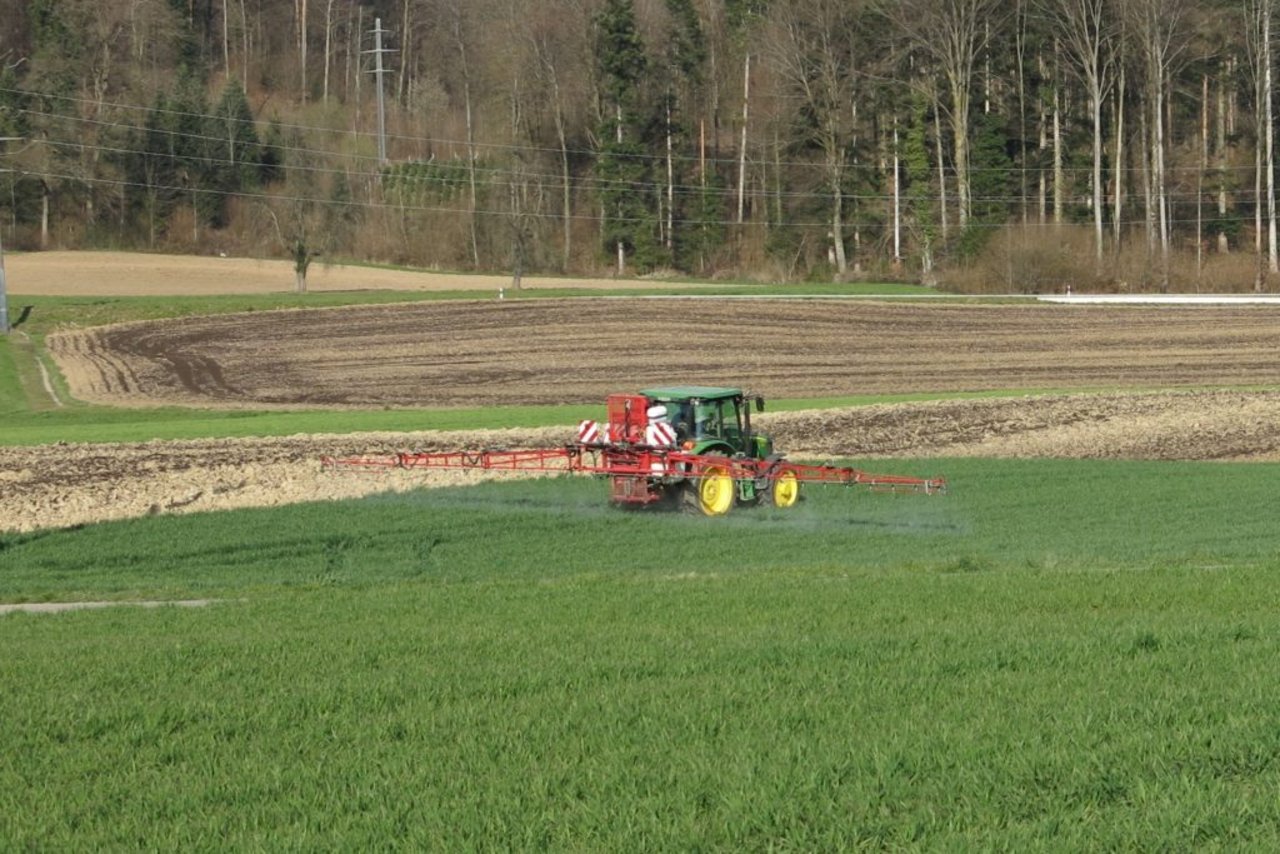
786	490
715	493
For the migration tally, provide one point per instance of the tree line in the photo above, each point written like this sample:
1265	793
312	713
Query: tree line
1005	144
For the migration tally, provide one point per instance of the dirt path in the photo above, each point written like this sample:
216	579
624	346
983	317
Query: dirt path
63	607
56	486
141	274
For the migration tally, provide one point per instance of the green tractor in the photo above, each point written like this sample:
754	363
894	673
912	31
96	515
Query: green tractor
716	422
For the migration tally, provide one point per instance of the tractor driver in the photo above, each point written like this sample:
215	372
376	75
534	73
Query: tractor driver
681	419
704	416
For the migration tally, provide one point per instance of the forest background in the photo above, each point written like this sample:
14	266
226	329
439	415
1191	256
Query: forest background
1000	145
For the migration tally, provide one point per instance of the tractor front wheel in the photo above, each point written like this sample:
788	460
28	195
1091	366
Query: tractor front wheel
712	494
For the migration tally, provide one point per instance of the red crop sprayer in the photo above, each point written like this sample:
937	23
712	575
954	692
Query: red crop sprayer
688	446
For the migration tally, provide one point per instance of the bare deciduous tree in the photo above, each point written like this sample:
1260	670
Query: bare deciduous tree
1258	18
813	48
1088	29
952	34
1156	26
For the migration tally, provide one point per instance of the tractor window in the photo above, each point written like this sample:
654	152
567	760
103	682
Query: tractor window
717	419
732	424
708	419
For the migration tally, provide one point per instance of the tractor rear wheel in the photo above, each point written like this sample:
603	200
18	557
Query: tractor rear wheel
711	494
784	490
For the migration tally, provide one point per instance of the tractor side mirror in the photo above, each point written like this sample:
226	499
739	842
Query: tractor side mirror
759	404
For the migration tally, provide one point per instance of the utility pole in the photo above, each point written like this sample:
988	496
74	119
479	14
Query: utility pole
378	72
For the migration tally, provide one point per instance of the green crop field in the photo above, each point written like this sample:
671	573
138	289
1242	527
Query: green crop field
1056	655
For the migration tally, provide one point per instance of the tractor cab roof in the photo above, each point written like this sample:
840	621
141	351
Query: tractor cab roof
691	392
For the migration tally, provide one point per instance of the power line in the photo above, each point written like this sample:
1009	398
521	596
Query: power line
495	176
446	142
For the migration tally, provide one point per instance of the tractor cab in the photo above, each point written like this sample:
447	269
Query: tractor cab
712	420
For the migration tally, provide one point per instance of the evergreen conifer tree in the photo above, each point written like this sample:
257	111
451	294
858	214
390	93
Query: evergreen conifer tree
624	171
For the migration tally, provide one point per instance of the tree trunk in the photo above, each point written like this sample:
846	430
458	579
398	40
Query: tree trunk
226	37
1148	195
461	45
302	47
1231	97
1259	277
942	174
713	62
301	262
1059	180
837	222
1020	46
358	38
1096	98
960	145
621	249
1204	166
405	45
778	214
1043	146
742	148
1220	141
244	49
1270	166
328	48
1118	200
671	180
897	201
1159	179
986	68
566	192
857	228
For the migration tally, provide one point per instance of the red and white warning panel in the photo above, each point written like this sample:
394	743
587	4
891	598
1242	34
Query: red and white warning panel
660	434
657	434
588	432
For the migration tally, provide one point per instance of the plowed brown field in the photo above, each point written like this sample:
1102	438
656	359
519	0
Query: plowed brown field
487	353
563	351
